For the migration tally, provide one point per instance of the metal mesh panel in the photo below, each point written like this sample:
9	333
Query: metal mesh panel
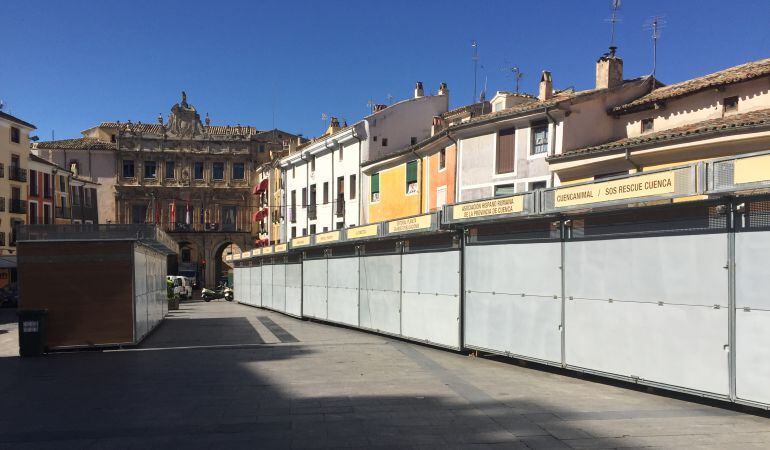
720	175
651	221
757	215
316	253
431	242
529	231
343	251
380	247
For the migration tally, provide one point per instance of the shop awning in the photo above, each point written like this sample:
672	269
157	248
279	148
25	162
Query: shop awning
261	187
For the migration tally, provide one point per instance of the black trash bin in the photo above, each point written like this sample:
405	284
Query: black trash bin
32	332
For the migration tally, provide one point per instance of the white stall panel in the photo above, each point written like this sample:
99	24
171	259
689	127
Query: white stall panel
343	290
314	288
236	283
246	279
380	300
256	286
678	345
681	343
677	269
140	295
752	327
294	289
513	299
267	286
431	297
279	287
752	358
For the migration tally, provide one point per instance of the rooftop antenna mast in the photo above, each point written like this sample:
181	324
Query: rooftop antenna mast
515	72
475	58
390	99
370	104
614	18
655	24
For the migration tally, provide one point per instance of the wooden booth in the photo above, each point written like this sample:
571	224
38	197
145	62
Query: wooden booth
102	285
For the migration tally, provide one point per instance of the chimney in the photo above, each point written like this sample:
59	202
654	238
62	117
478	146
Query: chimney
378	107
334	126
443	89
546	86
418	92
609	70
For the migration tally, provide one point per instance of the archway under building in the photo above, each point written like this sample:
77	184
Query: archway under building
220	267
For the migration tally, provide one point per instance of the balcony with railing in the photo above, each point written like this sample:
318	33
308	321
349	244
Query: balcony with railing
340	206
62	212
17	206
211	227
17	174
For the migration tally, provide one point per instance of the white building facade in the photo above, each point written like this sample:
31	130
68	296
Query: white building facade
323	180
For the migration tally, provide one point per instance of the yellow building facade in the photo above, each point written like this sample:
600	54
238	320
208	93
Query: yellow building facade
395	189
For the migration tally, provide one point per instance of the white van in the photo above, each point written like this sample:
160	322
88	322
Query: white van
182	286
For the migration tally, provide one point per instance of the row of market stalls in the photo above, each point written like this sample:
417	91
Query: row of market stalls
658	278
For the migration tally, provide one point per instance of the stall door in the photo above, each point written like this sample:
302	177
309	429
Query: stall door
752	301
431	297
650	308
314	288
380	293
513	299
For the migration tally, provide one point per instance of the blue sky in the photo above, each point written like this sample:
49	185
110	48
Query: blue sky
68	65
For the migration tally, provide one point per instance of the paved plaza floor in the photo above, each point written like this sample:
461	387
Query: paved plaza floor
223	375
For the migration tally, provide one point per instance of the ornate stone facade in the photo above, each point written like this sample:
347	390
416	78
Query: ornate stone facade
193	178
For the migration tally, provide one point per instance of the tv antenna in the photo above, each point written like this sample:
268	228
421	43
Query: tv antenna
614	19
2	105
390	99
515	72
475	58
370	104
324	117
655	24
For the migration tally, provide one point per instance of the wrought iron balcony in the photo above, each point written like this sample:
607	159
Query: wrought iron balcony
62	212
17	206
17	174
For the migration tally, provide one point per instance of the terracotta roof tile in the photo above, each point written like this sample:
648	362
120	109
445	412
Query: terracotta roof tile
743	72
735	122
156	128
76	144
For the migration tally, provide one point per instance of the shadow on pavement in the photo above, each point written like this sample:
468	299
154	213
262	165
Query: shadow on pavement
170	393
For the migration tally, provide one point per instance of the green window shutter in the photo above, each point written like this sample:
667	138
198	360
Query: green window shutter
375	182
411	172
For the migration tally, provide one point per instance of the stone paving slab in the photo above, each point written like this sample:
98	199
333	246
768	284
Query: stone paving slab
223	375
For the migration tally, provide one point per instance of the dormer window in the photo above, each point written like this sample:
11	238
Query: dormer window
647	125
730	104
497	107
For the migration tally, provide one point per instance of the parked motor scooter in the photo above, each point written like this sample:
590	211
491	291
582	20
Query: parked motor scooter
221	291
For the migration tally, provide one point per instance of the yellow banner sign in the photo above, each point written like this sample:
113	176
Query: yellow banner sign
280	248
362	232
332	236
494	207
752	169
256	252
300	241
607	191
409	224
229	258
267	250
